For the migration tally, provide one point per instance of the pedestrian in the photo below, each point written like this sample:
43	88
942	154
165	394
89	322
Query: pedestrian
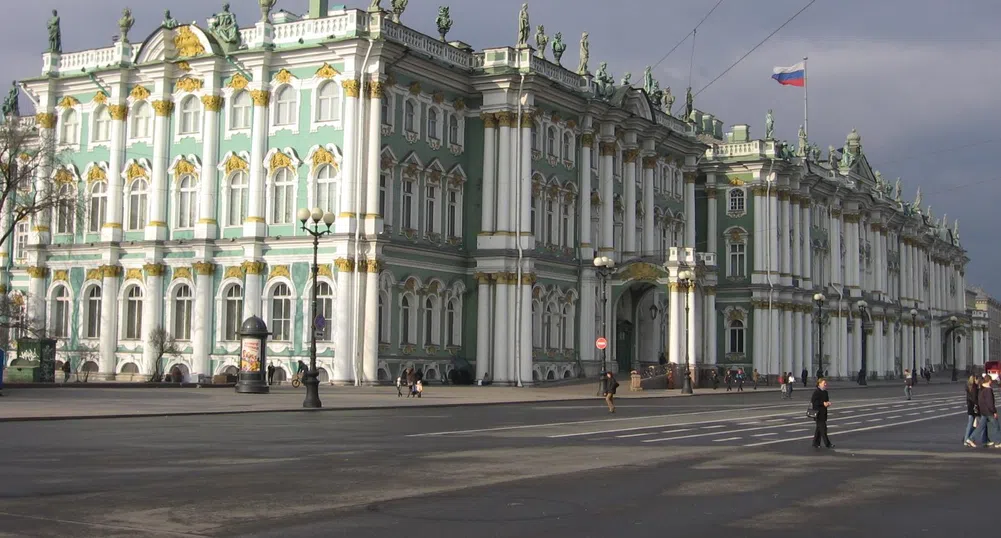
988	419
411	382
740	380
908	383
610	385
790	381
754	378
271	374
972	411
728	379
783	386
715	379
399	383
819	402
803	374
66	371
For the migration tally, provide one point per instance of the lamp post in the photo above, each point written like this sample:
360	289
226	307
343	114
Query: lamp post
686	280
315	217
604	267
819	299
914	346
954	321
863	370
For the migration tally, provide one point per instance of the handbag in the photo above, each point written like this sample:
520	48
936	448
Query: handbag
811	413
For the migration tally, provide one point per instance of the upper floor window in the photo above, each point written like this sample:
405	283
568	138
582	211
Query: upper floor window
240	113
453	130
191	116
736	201
142	116
70	127
102	125
283	196
285	105
64	210
551	141
567	145
328	102
186	203
408	116
137	204
432	123
98	206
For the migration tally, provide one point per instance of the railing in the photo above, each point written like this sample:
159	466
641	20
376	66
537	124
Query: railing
88	59
427	44
557	74
342	25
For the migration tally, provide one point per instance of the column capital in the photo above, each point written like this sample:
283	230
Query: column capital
630	155
376	89
46	120
852	218
154	269
606	149
690	177
344	265
213	103
352	88
118	112
587	139
504	118
759	190
260	97
527	121
783	196
253	268
111	271
711	192
489	120
373	266
482	278
38	272
163	108
649	162
203	268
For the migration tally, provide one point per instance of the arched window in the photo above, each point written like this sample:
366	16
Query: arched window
233	313
93	306
452	219
328	102
537	324
565	228
737	253
551	141
452	325
64	210
281	313
535	137
430	209
386	111
406	318
433	123
186	203
327	189
547	327
737	201
137	204
408	116
102	125
550	222
567	145
383	318
191	116
568	321
735	338
133	313
61	308
384	198
98	206
407	204
325	307
430	336
664	240
533	217
182	312
69	130
285	101
237	198
453	130
240	113
283	191
141	118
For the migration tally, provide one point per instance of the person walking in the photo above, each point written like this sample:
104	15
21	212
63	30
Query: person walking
740	380
988	419
728	379
908	383
803	374
715	379
66	371
271	374
610	385
819	402
790	381
784	385
972	411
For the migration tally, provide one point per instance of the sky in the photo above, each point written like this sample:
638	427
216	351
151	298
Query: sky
917	78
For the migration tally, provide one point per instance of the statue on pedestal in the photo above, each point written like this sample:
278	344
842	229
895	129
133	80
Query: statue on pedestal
626	80
55	34
541	42
444	21
399	6
375	6
769	125
955	230
832	157
657	95
604	84
169	22
125	24
224	27
648	80
803	145
559	47
689	104
266	7
585	51
668	101
897	190
524	27
11	108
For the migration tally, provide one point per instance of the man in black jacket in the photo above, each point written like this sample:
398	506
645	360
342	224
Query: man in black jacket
988	415
820	401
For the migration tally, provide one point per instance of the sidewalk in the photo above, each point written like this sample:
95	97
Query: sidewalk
80	402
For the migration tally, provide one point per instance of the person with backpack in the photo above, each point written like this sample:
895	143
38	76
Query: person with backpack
610	385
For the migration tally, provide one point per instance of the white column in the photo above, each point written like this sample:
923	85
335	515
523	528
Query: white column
256	224
690	209
629	189
785	229
760	229
350	167
152	313
487	210
710	326
526	329
773	227
201	319
584	180
525	177
156	227
586	309
606	182
794	340
648	163
253	289
835	238
111	229
502	350
109	319
759	322
775	356
370	336
795	231
512	347
35	308
807	250
208	183
482	325
694	335
505	186
711	216
343	355
676	349
373	151
40	222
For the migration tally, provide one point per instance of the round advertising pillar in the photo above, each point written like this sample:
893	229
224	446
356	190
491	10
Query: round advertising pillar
253	357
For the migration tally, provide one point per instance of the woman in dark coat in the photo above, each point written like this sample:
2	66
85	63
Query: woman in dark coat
972	411
820	401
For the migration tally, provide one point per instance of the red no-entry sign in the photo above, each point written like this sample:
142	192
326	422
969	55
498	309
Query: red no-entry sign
601	343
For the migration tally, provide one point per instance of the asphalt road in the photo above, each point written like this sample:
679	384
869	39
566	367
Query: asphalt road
735	464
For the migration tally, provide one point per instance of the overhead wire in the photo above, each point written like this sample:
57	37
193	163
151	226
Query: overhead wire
679	43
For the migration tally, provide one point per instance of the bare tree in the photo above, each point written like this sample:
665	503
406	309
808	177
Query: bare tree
82	355
161	343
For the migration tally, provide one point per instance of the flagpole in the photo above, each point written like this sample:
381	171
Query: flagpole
806	101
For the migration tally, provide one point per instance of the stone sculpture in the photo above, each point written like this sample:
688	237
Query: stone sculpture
399	6
125	24
897	190
689	104
11	108
169	22
585	52
55	34
266	7
769	125
559	47
224	27
668	101
604	84
803	145
626	80
444	21
524	27
541	42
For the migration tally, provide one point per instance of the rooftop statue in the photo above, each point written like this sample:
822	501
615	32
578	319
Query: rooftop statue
585	51
11	108
55	34
832	157
266	7
169	22
524	27
626	80
125	24
803	144
955	230
769	126
917	198
668	101
656	95
444	21
559	47
541	42
604	84
375	6
689	104
897	190
815	152
399	6
648	80
224	27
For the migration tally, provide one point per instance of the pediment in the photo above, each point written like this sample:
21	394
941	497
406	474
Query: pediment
183	43
633	101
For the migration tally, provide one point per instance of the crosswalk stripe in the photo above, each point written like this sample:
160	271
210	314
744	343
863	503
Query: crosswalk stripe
727	439
867	428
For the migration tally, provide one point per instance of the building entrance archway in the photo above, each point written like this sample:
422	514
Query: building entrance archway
639	315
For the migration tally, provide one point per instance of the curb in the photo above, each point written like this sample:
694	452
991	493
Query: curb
394	407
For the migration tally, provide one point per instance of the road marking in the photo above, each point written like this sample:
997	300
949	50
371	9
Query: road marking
885	407
867	428
727	439
633	435
714	426
852	423
799	430
875	420
912	414
893	417
764	434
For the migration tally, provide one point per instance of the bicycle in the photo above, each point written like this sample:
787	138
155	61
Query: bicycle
297	380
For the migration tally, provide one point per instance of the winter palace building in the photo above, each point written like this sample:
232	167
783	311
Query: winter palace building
472	191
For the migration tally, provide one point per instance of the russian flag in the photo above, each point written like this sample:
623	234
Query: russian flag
791	76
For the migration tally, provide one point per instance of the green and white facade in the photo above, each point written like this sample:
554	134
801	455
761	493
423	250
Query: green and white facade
472	192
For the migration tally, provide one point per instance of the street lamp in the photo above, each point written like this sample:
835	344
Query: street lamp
862	306
315	217
914	346
955	324
604	267
819	299
686	280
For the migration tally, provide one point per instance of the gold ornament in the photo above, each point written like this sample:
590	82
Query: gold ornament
69	102
280	160
213	103
253	268
322	156
283	76
46	120
204	268
489	120
118	112
326	71
187	43
238	82
188	84
38	272
234	163
163	108
100	98
352	88
153	269
376	90
260	97
139	93
135	171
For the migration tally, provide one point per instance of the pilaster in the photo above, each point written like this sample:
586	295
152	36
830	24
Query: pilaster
255	226
109	319
629	158
504	182
111	229
690	209
483	309
350	167
607	185
207	226
152	311
164	107
488	207
343	370
373	149
503	354
370	335
587	243
201	320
